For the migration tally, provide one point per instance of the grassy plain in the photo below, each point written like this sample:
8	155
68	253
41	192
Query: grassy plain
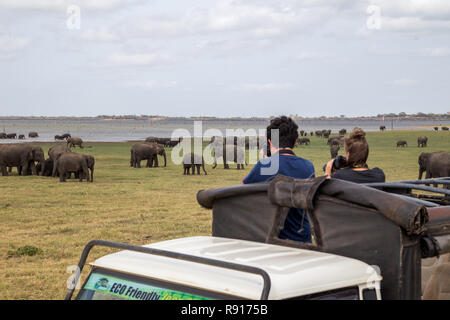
136	206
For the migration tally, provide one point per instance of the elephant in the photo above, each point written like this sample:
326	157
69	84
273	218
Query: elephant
47	171
21	156
435	164
305	141
326	133
342	131
72	142
160	151
36	169
334	150
229	152
11	136
336	140
90	164
402	143
422	141
166	142
193	161
68	162
64	136
143	151
56	150
33	134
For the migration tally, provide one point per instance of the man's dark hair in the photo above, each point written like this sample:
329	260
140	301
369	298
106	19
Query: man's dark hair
287	132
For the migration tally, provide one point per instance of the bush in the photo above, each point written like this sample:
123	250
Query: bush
25	251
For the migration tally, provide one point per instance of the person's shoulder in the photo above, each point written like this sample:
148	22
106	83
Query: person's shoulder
345	172
304	161
380	173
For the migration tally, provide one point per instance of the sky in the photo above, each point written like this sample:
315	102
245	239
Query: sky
224	58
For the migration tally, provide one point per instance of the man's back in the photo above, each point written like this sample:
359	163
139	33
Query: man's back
296	226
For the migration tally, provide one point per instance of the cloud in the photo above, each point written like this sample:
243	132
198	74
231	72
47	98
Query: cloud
404	82
62	4
264	87
256	21
414	15
101	35
11	45
435	52
140	59
151	84
305	56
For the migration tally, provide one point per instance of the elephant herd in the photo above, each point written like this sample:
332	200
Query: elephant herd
4	135
62	162
153	147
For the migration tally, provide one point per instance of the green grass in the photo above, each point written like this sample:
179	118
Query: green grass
136	206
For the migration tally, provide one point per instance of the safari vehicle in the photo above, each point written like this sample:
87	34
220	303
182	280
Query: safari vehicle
368	243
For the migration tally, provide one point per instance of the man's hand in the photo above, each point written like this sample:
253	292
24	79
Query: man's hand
329	168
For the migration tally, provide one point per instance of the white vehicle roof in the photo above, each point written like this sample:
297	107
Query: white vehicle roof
293	272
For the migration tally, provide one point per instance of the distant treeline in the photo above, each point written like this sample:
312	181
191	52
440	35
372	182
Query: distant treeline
387	116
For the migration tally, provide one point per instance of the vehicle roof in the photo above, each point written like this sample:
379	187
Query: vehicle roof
293	272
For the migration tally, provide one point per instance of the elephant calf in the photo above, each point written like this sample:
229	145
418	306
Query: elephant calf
71	162
334	149
304	141
47	170
193	161
402	143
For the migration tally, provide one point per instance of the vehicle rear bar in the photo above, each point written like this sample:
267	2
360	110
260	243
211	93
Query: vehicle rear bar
397	185
169	254
443	181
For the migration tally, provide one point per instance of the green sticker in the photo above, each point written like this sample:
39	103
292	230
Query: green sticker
133	290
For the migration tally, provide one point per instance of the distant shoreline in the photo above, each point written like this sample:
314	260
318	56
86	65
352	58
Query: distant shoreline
386	118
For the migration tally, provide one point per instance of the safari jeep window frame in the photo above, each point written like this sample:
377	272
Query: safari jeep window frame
83	293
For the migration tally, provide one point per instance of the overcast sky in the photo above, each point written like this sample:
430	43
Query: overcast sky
224	57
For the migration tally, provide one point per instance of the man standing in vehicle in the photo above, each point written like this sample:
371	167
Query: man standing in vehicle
282	160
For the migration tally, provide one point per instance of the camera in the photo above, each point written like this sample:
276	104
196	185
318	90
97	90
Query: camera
338	163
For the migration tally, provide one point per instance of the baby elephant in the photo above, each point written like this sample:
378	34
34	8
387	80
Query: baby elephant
71	162
402	143
191	160
334	149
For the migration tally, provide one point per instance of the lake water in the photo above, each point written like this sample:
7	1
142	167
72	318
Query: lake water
96	130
